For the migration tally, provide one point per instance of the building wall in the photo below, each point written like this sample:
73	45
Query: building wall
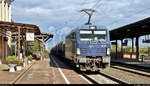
5	10
1	50
5	15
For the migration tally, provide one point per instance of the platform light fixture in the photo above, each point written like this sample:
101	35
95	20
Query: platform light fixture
93	27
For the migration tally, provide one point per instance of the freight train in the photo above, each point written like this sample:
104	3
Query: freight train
87	48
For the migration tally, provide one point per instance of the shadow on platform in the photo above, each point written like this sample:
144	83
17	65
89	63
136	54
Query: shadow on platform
59	62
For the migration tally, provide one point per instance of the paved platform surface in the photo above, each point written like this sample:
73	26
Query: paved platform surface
42	72
46	72
7	77
145	64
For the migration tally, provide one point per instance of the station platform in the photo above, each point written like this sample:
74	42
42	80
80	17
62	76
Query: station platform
9	77
145	64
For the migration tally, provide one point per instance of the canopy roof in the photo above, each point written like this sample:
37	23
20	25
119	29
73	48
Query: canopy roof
44	36
13	27
136	29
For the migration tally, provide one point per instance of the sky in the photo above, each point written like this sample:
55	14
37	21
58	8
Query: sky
59	17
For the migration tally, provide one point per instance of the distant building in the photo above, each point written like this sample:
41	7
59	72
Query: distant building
5	40
5	10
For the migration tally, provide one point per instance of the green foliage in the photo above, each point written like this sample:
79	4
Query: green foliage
30	57
113	48
19	61
34	48
13	50
46	52
127	49
11	58
143	50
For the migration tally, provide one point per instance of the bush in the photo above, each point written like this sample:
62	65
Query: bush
19	62
11	60
46	52
30	57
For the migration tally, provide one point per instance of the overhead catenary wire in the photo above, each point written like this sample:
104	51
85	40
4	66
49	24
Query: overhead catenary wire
93	7
82	4
97	4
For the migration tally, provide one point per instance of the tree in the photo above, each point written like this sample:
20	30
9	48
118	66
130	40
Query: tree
34	48
113	48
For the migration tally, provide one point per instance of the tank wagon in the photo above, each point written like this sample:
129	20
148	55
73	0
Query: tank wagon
87	48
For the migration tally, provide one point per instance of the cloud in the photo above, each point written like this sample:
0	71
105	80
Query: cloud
62	15
52	29
59	34
38	10
64	31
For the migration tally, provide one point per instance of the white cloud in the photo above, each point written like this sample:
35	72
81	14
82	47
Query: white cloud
51	15
38	10
52	29
59	34
64	31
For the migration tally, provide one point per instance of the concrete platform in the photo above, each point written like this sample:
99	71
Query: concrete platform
144	64
7	77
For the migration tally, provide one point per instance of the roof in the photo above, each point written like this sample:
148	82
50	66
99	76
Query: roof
136	29
41	37
13	27
46	36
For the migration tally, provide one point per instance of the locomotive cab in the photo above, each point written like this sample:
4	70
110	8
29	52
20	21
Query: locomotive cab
87	48
93	49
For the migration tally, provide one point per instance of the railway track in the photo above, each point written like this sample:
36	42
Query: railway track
125	76
102	79
110	79
115	75
91	77
17	79
132	69
136	76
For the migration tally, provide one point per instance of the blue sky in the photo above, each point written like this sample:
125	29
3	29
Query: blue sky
61	16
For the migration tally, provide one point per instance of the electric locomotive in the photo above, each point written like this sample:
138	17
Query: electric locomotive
87	48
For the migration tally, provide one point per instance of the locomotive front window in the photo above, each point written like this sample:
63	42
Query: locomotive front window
101	35
85	35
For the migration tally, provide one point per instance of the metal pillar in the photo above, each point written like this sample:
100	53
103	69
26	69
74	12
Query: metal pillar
18	42
26	47
3	51
24	51
132	46
5	45
116	49
122	48
23	54
39	46
137	48
16	47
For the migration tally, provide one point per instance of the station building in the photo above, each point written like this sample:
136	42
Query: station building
16	33
5	36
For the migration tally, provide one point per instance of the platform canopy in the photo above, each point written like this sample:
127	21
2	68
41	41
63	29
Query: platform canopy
136	29
44	36
13	27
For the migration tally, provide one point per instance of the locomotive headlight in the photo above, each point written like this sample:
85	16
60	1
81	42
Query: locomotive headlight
78	51
108	51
